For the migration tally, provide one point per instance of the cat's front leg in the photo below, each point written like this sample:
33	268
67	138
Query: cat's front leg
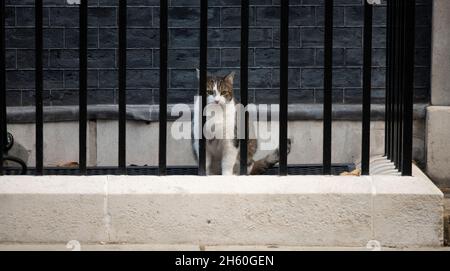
229	158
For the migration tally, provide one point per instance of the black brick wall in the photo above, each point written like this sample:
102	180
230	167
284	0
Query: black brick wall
306	53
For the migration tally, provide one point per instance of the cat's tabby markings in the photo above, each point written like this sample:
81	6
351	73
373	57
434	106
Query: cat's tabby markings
222	155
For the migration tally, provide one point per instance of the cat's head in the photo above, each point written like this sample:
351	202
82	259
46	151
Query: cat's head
220	89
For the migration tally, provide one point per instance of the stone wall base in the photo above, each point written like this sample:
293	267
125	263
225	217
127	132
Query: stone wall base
263	210
437	145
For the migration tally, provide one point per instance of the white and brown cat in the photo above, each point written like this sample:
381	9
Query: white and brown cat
222	155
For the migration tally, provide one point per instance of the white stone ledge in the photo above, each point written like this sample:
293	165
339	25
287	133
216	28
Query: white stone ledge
285	211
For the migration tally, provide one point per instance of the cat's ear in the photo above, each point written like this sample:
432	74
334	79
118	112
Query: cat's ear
198	73
229	78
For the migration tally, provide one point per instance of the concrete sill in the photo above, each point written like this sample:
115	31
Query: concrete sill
307	211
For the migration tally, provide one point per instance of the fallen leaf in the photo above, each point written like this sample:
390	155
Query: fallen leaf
356	172
69	165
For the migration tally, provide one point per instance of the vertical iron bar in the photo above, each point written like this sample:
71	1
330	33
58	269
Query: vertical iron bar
203	81
122	84
244	81
402	85
388	91
328	87
367	88
409	88
392	80
83	86
284	84
3	125
396	85
163	28
392	76
39	85
401	89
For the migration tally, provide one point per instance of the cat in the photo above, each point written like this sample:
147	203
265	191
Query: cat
222	155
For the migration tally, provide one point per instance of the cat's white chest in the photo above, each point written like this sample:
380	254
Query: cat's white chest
225	122
220	121
219	130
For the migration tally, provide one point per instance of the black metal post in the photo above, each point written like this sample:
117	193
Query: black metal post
388	95
284	85
367	89
122	85
3	125
244	81
203	82
410	7
328	87
39	85
396	84
401	88
163	27
83	86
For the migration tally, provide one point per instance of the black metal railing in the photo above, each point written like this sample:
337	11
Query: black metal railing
328	87
399	86
39	87
203	80
3	126
83	87
245	18
400	83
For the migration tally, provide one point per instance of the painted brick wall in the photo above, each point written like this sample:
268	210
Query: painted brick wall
306	53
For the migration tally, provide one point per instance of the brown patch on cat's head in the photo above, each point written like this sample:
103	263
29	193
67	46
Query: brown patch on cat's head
224	85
